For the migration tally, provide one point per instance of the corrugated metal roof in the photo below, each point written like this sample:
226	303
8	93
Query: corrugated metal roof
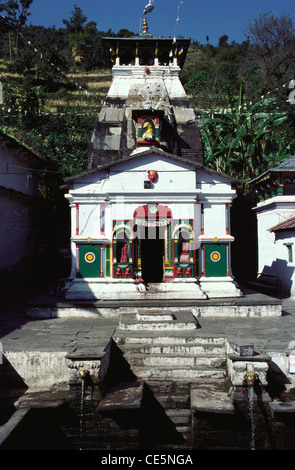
286	225
287	165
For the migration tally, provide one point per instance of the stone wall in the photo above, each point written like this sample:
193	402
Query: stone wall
17	239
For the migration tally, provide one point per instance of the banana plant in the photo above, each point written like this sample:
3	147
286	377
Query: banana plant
244	139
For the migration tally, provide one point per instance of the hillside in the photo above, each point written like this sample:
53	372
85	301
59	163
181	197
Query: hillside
54	113
61	128
83	91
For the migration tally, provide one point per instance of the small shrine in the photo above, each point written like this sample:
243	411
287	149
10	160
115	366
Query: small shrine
149	220
275	212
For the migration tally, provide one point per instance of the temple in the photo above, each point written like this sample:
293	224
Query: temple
149	219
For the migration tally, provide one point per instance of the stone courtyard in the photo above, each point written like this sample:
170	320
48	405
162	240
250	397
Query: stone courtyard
133	369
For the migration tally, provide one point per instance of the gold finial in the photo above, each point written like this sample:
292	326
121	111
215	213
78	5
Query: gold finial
148	9
145	27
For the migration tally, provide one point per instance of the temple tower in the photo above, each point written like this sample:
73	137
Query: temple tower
145	91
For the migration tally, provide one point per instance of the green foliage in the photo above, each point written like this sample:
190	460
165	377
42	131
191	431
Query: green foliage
76	22
243	140
272	41
16	13
223	41
22	103
63	141
208	71
39	64
247	138
85	40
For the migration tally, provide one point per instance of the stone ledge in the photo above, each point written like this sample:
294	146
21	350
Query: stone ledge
211	401
252	305
256	358
125	399
282	407
10	426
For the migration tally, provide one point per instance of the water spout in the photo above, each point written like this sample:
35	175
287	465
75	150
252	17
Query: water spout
250	375
86	380
250	379
85	375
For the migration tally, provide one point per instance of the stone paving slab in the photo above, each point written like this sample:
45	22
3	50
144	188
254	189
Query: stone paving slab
126	399
209	399
282	407
17	330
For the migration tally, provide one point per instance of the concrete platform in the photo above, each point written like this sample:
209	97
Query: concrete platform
252	304
114	289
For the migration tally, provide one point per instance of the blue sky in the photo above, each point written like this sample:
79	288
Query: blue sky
197	18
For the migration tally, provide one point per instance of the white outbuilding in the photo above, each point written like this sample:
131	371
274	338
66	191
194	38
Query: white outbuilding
275	213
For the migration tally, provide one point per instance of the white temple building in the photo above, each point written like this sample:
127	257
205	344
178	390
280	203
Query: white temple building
149	220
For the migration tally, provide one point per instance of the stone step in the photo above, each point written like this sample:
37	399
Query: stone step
171	394
156	316
174	360
157	325
177	373
154	321
174	349
150	314
144	326
169	337
173	402
180	417
183	430
167	387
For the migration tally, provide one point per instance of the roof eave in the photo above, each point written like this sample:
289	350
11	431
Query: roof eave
105	167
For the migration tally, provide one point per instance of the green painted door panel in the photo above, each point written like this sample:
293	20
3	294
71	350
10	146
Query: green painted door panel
89	260
215	260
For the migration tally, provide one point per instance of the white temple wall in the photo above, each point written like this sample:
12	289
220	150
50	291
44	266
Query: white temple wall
270	213
121	192
276	253
199	203
214	220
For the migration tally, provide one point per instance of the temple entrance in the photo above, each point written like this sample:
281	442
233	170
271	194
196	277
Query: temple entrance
152	260
152	253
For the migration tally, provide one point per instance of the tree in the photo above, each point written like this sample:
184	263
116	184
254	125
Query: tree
273	46
17	12
36	62
84	39
223	41
76	22
124	33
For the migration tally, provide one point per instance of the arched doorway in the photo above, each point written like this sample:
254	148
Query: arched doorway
122	252
152	239
185	259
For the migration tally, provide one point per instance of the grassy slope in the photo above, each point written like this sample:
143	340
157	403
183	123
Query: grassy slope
96	83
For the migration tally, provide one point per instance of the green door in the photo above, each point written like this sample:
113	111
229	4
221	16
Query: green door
89	260
215	260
